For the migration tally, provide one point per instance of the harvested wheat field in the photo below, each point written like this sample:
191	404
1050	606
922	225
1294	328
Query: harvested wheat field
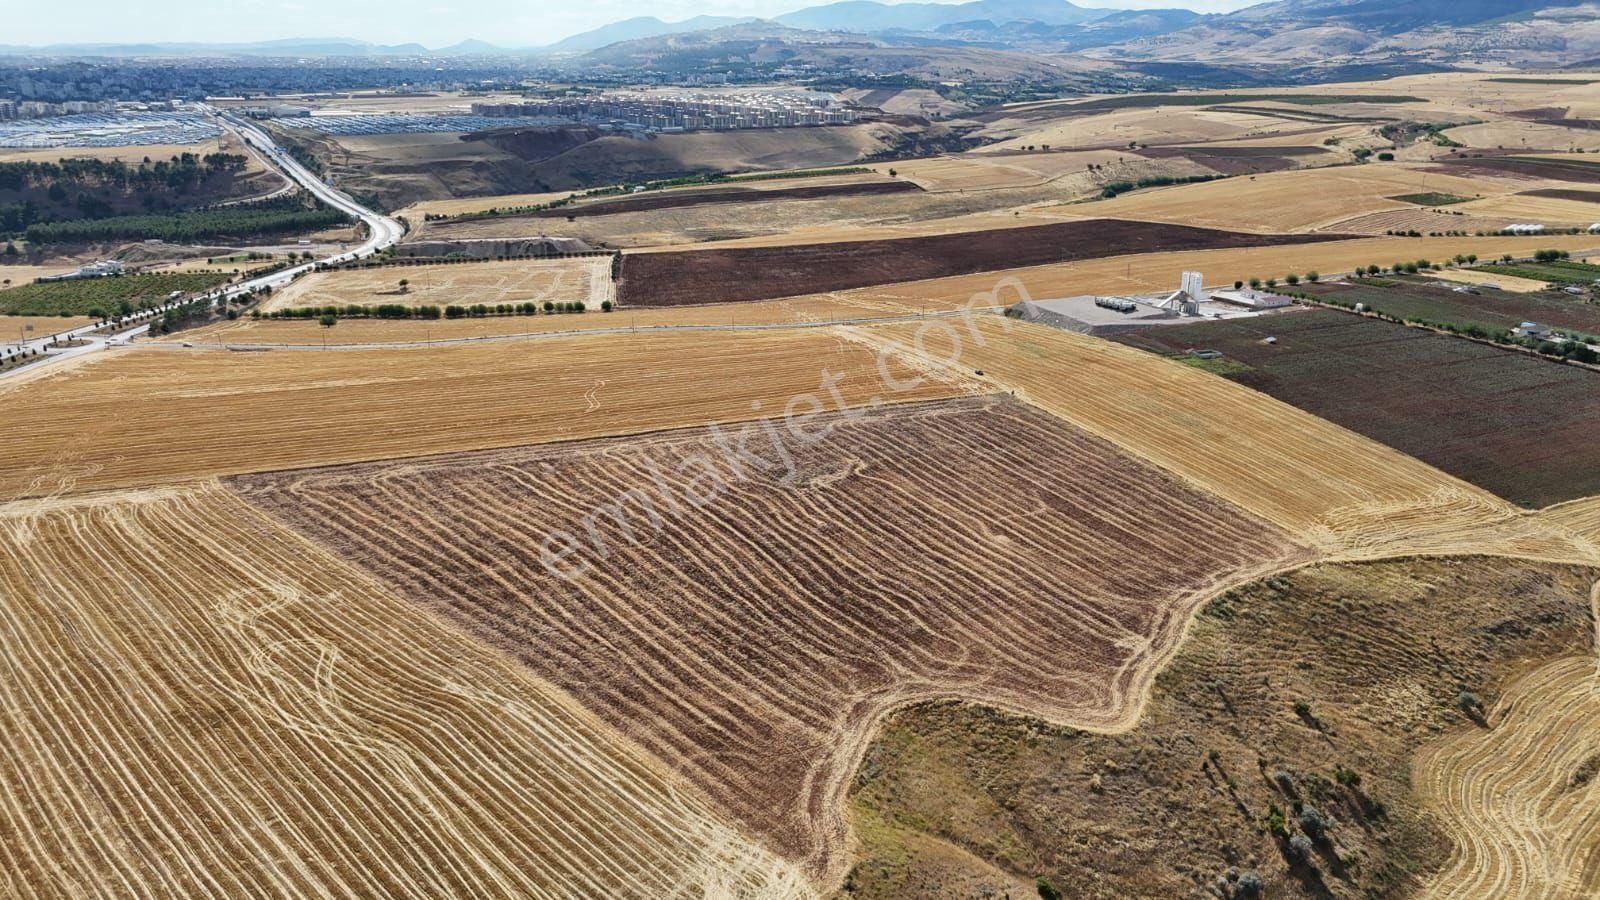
1521	799
1346	494
747	607
139	417
811	310
200	703
1296	200
585	279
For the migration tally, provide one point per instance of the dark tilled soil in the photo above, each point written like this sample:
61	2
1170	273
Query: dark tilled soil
1565	194
1516	167
1234	160
1509	422
765	273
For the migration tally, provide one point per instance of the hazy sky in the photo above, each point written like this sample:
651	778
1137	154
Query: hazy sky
434	23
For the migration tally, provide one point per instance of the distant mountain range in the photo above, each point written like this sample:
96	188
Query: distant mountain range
1389	34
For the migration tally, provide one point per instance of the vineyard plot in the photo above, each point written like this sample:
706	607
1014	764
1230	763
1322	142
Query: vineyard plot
974	548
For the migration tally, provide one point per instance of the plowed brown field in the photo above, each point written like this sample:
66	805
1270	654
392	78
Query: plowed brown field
753	640
143	417
200	703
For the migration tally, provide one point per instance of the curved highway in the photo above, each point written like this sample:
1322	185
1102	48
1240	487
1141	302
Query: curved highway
382	232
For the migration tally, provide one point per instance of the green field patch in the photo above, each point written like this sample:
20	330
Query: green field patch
1222	365
1430	198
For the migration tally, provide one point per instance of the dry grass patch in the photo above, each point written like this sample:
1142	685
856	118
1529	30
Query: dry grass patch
151	416
200	703
1321	694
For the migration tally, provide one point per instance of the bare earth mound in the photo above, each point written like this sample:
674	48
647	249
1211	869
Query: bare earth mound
200	703
753	636
763	273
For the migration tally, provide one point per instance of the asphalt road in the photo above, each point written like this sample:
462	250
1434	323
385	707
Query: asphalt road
382	231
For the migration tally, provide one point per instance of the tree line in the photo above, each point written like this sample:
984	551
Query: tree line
277	216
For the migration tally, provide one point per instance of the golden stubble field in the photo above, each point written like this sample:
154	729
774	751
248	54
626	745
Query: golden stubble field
200	702
585	279
142	416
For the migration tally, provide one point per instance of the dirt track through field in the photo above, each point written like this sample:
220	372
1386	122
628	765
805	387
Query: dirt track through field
200	703
974	548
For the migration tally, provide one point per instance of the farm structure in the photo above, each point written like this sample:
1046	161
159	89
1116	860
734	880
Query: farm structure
201	703
748	621
717	275
1510	422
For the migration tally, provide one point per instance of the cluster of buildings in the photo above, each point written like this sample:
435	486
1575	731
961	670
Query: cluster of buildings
37	109
102	269
1100	315
681	112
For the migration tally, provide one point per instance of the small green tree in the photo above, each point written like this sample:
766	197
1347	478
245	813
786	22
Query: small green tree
1237	284
1292	278
328	320
1313	277
1255	283
405	285
1047	891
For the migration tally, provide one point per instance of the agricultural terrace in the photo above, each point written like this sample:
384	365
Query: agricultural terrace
202	703
1345	493
1510	422
748	617
134	417
585	279
82	297
721	275
1424	300
1306	725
